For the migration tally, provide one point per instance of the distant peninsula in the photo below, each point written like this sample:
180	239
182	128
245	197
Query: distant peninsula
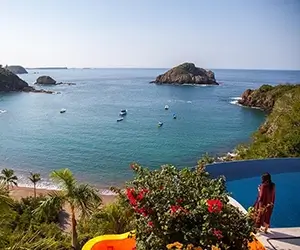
49	68
187	73
16	69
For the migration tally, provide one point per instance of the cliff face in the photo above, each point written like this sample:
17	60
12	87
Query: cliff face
186	73
16	69
10	82
264	97
279	135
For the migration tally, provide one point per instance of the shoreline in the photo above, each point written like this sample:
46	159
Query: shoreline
22	192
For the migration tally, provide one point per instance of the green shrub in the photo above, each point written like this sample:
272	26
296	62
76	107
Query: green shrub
185	206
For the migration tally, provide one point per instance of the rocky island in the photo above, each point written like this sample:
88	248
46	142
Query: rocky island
47	80
11	82
16	69
186	73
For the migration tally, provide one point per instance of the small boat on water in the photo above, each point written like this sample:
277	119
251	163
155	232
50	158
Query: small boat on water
120	119
123	112
63	111
160	124
174	116
166	107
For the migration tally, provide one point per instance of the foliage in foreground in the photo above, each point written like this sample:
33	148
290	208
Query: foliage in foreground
114	218
20	229
279	136
78	196
185	206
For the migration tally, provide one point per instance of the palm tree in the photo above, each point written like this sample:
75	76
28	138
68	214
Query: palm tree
8	178
34	178
81	197
5	200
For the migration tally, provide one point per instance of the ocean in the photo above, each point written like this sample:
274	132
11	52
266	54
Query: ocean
36	137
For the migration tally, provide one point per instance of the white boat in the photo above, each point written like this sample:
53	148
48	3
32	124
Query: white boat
166	107
120	119
62	110
123	112
160	124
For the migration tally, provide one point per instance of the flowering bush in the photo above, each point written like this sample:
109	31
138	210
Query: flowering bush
185	207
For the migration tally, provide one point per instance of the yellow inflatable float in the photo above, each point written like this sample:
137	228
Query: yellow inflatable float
124	241
127	241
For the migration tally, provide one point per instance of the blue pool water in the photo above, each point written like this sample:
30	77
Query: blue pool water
242	184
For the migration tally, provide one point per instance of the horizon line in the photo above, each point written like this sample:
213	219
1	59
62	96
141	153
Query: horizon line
165	68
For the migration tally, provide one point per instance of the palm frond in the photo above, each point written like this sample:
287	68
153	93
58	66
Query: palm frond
5	200
34	177
33	241
54	201
86	198
64	178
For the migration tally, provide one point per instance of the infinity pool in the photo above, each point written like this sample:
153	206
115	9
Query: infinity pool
244	177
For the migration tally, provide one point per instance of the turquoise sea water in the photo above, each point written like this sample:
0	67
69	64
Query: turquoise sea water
34	136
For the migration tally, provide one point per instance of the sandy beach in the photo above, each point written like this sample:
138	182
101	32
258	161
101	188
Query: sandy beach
20	192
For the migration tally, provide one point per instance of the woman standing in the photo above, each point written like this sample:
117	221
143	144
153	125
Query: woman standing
265	202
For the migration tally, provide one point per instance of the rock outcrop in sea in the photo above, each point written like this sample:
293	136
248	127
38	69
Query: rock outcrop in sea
11	82
16	69
45	80
187	73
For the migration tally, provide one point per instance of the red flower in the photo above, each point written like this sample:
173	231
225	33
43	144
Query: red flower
142	211
141	194
214	206
130	192
177	208
150	224
218	233
161	187
179	201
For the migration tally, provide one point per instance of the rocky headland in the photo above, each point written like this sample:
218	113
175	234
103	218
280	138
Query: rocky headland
279	135
187	73
265	97
16	69
11	82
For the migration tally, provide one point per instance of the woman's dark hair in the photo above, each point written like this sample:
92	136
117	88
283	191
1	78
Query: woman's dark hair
266	179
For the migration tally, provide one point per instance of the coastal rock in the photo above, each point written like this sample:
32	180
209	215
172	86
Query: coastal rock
16	69
10	82
263	97
32	89
45	80
186	73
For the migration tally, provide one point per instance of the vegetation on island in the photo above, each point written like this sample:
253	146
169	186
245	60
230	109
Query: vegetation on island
167	207
279	135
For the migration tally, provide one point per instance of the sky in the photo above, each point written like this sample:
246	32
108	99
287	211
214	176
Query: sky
216	34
